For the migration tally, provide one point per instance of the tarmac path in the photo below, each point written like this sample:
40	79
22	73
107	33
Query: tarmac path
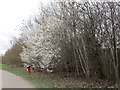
10	80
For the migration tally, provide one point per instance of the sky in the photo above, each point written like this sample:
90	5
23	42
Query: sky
12	14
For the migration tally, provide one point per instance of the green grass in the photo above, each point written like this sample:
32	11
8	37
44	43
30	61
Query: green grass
0	66
39	80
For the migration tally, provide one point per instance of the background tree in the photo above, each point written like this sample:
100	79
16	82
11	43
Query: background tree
79	39
12	56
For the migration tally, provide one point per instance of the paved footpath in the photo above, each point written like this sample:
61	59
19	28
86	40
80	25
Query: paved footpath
10	80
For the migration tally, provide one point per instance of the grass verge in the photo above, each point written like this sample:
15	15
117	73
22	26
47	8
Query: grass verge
39	80
33	77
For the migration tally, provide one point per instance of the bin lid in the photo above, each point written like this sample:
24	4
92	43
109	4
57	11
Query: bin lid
28	66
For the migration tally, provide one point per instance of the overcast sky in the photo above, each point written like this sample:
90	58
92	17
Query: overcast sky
12	13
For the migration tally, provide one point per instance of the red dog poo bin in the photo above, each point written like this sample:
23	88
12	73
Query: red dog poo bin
28	69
